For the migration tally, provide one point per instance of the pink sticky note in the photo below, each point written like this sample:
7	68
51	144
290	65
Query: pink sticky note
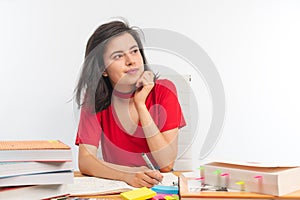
258	177
225	174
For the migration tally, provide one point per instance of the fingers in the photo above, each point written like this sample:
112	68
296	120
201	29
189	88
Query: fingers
146	79
144	86
143	177
148	181
148	178
154	174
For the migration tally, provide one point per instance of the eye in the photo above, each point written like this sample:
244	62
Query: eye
134	51
117	56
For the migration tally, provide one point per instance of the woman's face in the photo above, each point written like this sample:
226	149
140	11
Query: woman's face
123	61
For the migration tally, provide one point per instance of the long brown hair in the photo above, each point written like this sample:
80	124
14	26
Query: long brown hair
94	90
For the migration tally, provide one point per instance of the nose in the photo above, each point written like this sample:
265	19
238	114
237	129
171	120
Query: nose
129	60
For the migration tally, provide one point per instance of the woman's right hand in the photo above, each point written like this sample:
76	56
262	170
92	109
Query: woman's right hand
143	177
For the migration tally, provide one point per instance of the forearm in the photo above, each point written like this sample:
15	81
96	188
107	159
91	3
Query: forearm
136	176
163	152
89	164
162	146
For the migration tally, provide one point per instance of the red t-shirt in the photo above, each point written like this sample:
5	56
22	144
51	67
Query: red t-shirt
117	145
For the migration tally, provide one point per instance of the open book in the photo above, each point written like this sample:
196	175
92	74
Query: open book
88	186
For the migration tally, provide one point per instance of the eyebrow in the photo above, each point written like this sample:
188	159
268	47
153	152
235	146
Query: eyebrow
115	52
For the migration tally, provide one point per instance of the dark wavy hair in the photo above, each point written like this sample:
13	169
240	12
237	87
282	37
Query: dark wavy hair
94	90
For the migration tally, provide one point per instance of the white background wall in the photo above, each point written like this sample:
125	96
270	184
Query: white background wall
255	46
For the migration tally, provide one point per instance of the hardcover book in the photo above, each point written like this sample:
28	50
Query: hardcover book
8	169
34	150
63	177
34	192
275	181
191	189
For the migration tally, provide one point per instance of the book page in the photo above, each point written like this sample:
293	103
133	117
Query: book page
96	186
169	179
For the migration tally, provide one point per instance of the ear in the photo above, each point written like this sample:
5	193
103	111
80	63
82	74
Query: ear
104	74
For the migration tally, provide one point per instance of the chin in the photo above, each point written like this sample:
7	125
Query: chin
128	82
132	79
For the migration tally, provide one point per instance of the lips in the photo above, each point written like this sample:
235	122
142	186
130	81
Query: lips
132	71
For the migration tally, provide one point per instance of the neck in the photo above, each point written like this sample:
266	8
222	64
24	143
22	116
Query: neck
123	95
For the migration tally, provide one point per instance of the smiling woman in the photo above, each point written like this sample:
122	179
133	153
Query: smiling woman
125	109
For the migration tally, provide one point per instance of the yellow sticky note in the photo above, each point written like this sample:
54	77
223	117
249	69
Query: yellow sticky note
173	197
138	194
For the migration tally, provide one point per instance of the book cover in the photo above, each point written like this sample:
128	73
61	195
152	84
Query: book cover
34	150
32	145
63	177
33	192
8	169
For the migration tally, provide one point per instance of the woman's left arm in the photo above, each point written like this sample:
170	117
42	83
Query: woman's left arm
163	145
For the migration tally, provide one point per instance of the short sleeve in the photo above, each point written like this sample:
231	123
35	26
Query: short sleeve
89	129
170	112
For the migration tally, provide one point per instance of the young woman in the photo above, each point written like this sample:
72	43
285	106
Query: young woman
125	109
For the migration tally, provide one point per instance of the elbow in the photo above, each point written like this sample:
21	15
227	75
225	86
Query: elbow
86	159
83	168
168	168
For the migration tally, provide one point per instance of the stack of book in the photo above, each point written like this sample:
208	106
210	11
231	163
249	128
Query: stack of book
39	168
